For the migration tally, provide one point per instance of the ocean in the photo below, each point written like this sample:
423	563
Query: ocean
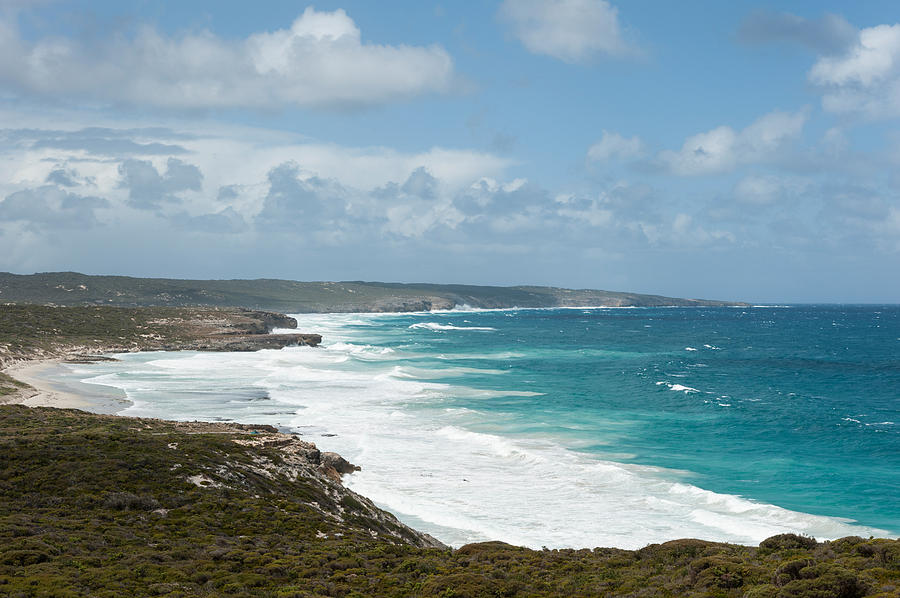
577	427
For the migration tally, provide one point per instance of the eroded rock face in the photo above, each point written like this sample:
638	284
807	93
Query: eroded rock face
301	460
334	466
261	322
248	342
340	464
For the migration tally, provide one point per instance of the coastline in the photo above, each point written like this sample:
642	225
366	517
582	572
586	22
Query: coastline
45	390
55	385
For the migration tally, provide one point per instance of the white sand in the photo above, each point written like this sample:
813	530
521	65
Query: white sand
48	393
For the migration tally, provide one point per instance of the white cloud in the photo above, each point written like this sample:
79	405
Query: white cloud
686	231
593	213
236	157
235	180
722	149
51	206
417	206
148	187
613	145
763	189
758	190
868	62
866	78
570	30
320	61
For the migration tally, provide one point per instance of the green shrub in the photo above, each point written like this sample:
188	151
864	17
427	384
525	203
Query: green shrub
459	585
75	520
126	501
825	580
787	542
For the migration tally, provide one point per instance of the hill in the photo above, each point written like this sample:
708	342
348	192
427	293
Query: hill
287	296
94	505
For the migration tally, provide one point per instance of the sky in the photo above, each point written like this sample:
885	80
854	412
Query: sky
724	150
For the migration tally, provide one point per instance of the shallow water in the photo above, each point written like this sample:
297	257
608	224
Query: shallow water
578	427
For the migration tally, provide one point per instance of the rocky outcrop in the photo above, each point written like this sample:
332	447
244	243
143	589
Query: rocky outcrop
83	334
403	304
246	343
259	322
334	466
294	460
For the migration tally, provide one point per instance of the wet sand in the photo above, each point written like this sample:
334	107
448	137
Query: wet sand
50	389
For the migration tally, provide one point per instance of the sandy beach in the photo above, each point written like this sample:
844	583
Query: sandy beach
49	390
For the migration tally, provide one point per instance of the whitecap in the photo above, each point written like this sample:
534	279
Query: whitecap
423	459
441	327
677	387
681	387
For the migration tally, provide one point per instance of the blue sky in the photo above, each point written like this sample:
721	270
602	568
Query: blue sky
734	150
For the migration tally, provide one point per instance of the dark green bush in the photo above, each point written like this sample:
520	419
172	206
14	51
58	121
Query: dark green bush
825	580
787	542
126	501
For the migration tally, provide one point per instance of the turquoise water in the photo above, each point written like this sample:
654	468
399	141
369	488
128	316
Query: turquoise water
580	427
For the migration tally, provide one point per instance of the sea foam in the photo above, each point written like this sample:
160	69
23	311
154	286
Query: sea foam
440	467
441	327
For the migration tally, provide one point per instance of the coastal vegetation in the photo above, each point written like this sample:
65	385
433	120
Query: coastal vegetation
41	331
111	506
288	296
95	505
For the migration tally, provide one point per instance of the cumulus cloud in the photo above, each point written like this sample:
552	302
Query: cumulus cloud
51	207
828	34
865	79
243	189
570	30
613	145
63	177
416	206
297	201
148	188
320	61
722	149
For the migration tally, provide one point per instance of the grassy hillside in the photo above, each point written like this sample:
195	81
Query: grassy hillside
71	288
110	506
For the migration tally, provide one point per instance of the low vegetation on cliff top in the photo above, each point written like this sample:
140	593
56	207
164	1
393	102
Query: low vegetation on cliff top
290	296
107	506
40	331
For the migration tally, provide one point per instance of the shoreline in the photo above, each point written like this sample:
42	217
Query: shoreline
47	388
44	390
57	384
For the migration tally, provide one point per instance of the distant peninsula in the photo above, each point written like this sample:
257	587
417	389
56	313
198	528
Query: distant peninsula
288	296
